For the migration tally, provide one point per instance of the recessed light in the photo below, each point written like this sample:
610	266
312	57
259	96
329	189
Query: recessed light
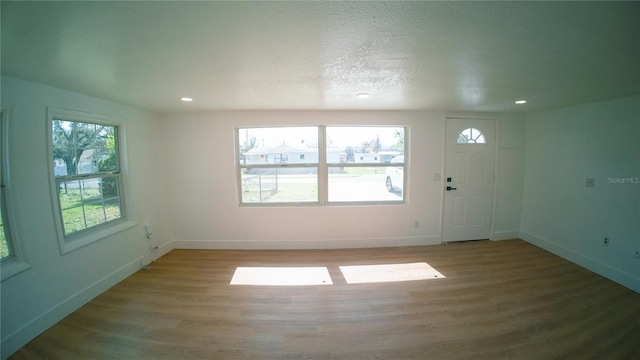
363	95
186	99
520	102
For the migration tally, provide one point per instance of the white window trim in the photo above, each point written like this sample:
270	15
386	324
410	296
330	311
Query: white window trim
86	237
17	263
322	172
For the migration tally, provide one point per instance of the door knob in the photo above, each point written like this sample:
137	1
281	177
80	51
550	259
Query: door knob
449	188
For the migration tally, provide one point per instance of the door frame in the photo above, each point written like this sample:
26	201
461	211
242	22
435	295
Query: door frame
443	178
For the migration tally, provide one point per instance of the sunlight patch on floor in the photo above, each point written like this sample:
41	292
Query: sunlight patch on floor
281	276
361	274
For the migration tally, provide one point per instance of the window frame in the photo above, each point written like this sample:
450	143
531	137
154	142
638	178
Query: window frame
75	240
323	169
16	262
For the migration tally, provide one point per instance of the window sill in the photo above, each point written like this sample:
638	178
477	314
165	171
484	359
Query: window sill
76	242
13	267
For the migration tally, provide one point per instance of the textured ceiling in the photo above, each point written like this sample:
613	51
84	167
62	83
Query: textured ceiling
457	56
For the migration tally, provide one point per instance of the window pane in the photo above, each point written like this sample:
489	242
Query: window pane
94	213
109	188
4	245
90	202
6	250
364	144
112	209
353	184
279	185
278	145
71	205
83	148
471	136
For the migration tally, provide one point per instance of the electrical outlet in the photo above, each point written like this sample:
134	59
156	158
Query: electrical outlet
148	231
606	241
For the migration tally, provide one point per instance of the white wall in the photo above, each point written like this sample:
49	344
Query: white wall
57	284
564	147
205	211
509	180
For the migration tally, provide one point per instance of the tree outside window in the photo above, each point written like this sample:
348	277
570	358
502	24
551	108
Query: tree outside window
85	158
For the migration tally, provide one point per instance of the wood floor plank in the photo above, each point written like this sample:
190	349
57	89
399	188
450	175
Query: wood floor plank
499	300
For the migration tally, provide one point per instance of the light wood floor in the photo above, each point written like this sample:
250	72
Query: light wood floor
500	300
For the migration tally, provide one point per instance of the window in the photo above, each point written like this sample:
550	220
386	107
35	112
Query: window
10	251
365	163
471	136
87	179
278	164
324	164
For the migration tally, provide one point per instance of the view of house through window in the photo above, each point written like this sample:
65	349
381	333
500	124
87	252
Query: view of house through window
279	164
319	164
87	174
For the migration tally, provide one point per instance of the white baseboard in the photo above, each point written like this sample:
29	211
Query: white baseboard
597	267
148	258
29	331
505	235
304	244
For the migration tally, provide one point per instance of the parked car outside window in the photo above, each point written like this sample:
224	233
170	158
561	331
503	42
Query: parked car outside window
395	175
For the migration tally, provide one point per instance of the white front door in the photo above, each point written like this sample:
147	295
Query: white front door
469	168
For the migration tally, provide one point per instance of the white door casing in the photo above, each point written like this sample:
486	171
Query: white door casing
469	174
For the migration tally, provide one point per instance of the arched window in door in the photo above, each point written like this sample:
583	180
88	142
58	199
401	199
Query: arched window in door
471	136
